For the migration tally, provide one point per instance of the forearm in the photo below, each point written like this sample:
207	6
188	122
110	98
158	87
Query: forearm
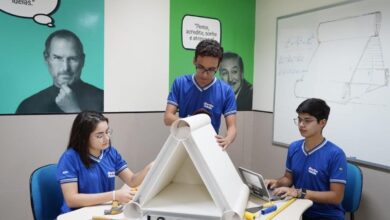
329	197
134	179
284	181
231	128
169	118
333	196
231	133
138	177
170	114
82	200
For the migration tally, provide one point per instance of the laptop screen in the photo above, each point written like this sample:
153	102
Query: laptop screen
256	184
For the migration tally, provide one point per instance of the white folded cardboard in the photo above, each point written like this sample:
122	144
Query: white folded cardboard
192	178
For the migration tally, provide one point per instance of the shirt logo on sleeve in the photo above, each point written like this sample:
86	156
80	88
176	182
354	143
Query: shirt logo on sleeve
111	174
312	171
65	172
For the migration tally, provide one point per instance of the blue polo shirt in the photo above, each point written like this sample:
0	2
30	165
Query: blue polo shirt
217	98
98	178
315	170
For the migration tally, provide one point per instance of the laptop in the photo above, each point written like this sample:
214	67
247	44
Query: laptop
256	185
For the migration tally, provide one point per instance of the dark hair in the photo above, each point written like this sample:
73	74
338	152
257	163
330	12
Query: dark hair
210	48
202	111
232	55
315	107
83	125
65	34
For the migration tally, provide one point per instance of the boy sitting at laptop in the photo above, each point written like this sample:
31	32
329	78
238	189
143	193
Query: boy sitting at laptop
316	167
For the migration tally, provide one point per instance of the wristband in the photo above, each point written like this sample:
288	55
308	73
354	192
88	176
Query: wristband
113	195
303	193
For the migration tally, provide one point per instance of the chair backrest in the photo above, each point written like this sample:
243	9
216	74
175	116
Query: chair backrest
45	193
353	189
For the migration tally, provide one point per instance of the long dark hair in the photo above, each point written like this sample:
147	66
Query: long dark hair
83	125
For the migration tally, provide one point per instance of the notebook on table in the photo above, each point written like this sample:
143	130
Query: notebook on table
257	185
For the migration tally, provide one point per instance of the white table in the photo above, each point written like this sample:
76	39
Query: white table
293	211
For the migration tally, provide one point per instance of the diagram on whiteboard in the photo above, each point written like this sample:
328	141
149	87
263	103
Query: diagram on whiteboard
347	61
340	54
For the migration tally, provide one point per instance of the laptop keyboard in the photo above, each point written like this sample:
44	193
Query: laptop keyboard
273	197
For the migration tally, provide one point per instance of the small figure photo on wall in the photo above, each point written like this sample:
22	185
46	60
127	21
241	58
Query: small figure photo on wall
231	71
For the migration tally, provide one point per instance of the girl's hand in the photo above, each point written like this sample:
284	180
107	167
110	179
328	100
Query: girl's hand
124	195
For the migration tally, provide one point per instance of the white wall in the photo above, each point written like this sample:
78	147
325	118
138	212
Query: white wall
136	53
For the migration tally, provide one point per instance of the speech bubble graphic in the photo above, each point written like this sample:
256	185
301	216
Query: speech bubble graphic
196	29
38	10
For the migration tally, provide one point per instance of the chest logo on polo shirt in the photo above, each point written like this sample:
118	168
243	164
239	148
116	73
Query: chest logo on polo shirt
208	106
312	171
110	174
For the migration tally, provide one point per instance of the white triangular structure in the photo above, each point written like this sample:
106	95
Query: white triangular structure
192	178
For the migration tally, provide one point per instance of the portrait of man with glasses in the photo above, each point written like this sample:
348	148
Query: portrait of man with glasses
232	72
202	90
64	56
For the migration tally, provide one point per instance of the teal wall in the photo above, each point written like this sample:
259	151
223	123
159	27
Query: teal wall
23	71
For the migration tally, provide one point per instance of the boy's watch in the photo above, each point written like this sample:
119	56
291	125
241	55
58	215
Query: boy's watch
299	192
302	193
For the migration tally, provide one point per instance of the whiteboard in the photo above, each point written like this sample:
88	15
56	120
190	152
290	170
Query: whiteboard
340	54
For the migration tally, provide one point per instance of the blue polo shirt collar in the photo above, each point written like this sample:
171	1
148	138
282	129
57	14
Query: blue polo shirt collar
319	146
97	159
204	88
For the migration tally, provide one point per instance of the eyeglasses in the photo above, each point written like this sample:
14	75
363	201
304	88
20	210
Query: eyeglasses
304	121
59	59
202	69
101	135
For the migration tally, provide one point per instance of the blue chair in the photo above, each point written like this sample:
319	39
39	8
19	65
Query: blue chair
45	193
353	189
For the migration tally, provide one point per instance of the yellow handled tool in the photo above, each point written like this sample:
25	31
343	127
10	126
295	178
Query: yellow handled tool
249	216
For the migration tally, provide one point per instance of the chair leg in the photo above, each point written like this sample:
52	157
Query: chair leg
352	216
